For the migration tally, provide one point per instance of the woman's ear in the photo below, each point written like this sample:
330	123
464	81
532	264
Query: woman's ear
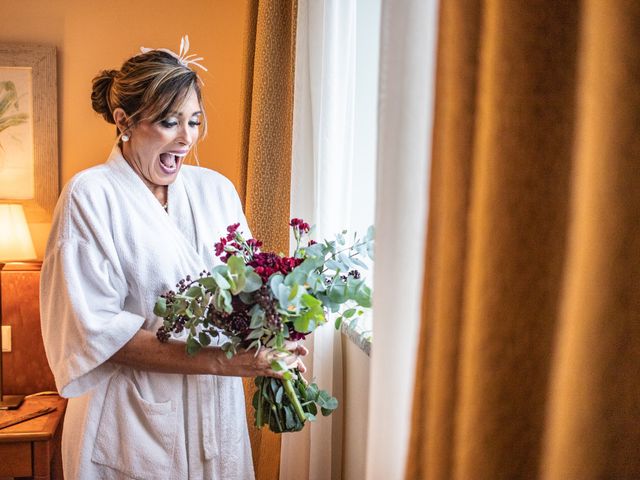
121	119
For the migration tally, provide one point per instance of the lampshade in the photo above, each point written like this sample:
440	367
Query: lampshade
15	239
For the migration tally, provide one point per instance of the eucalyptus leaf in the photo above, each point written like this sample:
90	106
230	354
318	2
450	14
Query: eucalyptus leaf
370	233
204	339
160	309
345	261
363	296
302	323
315	250
330	245
194	292
349	313
283	295
247	298
331	403
338	293
208	282
221	281
313	409
253	282
311	392
240	282
257	333
288	415
297	276
193	346
257	317
334	265
274	283
226	301
236	265
359	263
294	292
310	301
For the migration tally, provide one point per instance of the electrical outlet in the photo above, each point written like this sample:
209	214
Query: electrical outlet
6	338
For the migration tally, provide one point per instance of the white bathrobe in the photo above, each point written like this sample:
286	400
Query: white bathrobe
112	250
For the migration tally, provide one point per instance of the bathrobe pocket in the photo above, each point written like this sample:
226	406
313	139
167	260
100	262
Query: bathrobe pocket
135	436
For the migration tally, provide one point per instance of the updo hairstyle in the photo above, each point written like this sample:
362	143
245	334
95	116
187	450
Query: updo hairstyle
148	87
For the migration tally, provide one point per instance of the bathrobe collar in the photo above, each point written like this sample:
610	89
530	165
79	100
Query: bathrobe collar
178	221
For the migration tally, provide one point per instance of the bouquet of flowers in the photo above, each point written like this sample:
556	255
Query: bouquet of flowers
258	299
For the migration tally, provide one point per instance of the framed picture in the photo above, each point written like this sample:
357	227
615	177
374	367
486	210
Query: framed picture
28	128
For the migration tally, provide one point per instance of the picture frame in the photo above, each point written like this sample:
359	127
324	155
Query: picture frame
29	172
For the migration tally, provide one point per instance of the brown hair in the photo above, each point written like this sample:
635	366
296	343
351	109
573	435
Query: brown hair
147	87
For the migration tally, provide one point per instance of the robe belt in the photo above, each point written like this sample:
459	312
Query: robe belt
208	403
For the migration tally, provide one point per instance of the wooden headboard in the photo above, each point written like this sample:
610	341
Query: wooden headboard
25	369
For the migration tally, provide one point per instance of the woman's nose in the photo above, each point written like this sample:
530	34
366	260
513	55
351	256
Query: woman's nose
185	136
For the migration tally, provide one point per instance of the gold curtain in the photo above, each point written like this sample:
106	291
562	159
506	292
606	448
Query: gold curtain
266	164
529	352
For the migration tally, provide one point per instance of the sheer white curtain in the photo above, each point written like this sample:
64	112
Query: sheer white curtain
320	193
407	68
325	173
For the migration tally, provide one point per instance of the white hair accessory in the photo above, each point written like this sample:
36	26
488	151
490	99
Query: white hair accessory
182	57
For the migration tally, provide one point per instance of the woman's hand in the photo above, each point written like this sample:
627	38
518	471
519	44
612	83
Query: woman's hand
245	363
143	352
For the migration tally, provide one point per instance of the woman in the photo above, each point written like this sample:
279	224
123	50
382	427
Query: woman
123	233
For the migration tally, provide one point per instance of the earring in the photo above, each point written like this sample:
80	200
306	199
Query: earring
125	137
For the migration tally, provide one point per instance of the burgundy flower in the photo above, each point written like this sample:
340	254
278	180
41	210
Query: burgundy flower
266	264
295	335
300	225
220	246
235	245
255	244
232	231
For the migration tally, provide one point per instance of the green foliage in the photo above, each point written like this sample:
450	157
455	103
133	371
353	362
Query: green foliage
285	405
327	280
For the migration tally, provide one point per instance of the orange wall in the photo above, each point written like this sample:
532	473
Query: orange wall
90	36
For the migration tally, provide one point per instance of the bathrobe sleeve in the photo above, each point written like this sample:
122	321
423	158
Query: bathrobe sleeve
83	289
239	214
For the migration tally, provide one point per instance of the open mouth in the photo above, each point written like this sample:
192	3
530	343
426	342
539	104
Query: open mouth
169	162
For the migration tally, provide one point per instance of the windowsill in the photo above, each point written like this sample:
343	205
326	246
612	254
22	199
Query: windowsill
361	337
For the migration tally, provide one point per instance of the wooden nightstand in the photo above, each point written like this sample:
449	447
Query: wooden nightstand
28	449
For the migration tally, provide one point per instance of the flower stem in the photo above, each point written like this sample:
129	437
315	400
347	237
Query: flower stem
275	414
259	419
293	398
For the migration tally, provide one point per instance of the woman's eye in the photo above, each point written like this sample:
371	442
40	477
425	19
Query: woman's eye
168	123
194	123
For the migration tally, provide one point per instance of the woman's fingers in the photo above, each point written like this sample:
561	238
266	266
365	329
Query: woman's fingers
301	366
290	356
294	361
296	348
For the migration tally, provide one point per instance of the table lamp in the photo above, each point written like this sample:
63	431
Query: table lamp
15	245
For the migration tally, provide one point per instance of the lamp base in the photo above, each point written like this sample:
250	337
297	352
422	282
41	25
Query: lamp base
11	402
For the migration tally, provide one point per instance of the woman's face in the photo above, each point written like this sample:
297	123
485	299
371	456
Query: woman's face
157	150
